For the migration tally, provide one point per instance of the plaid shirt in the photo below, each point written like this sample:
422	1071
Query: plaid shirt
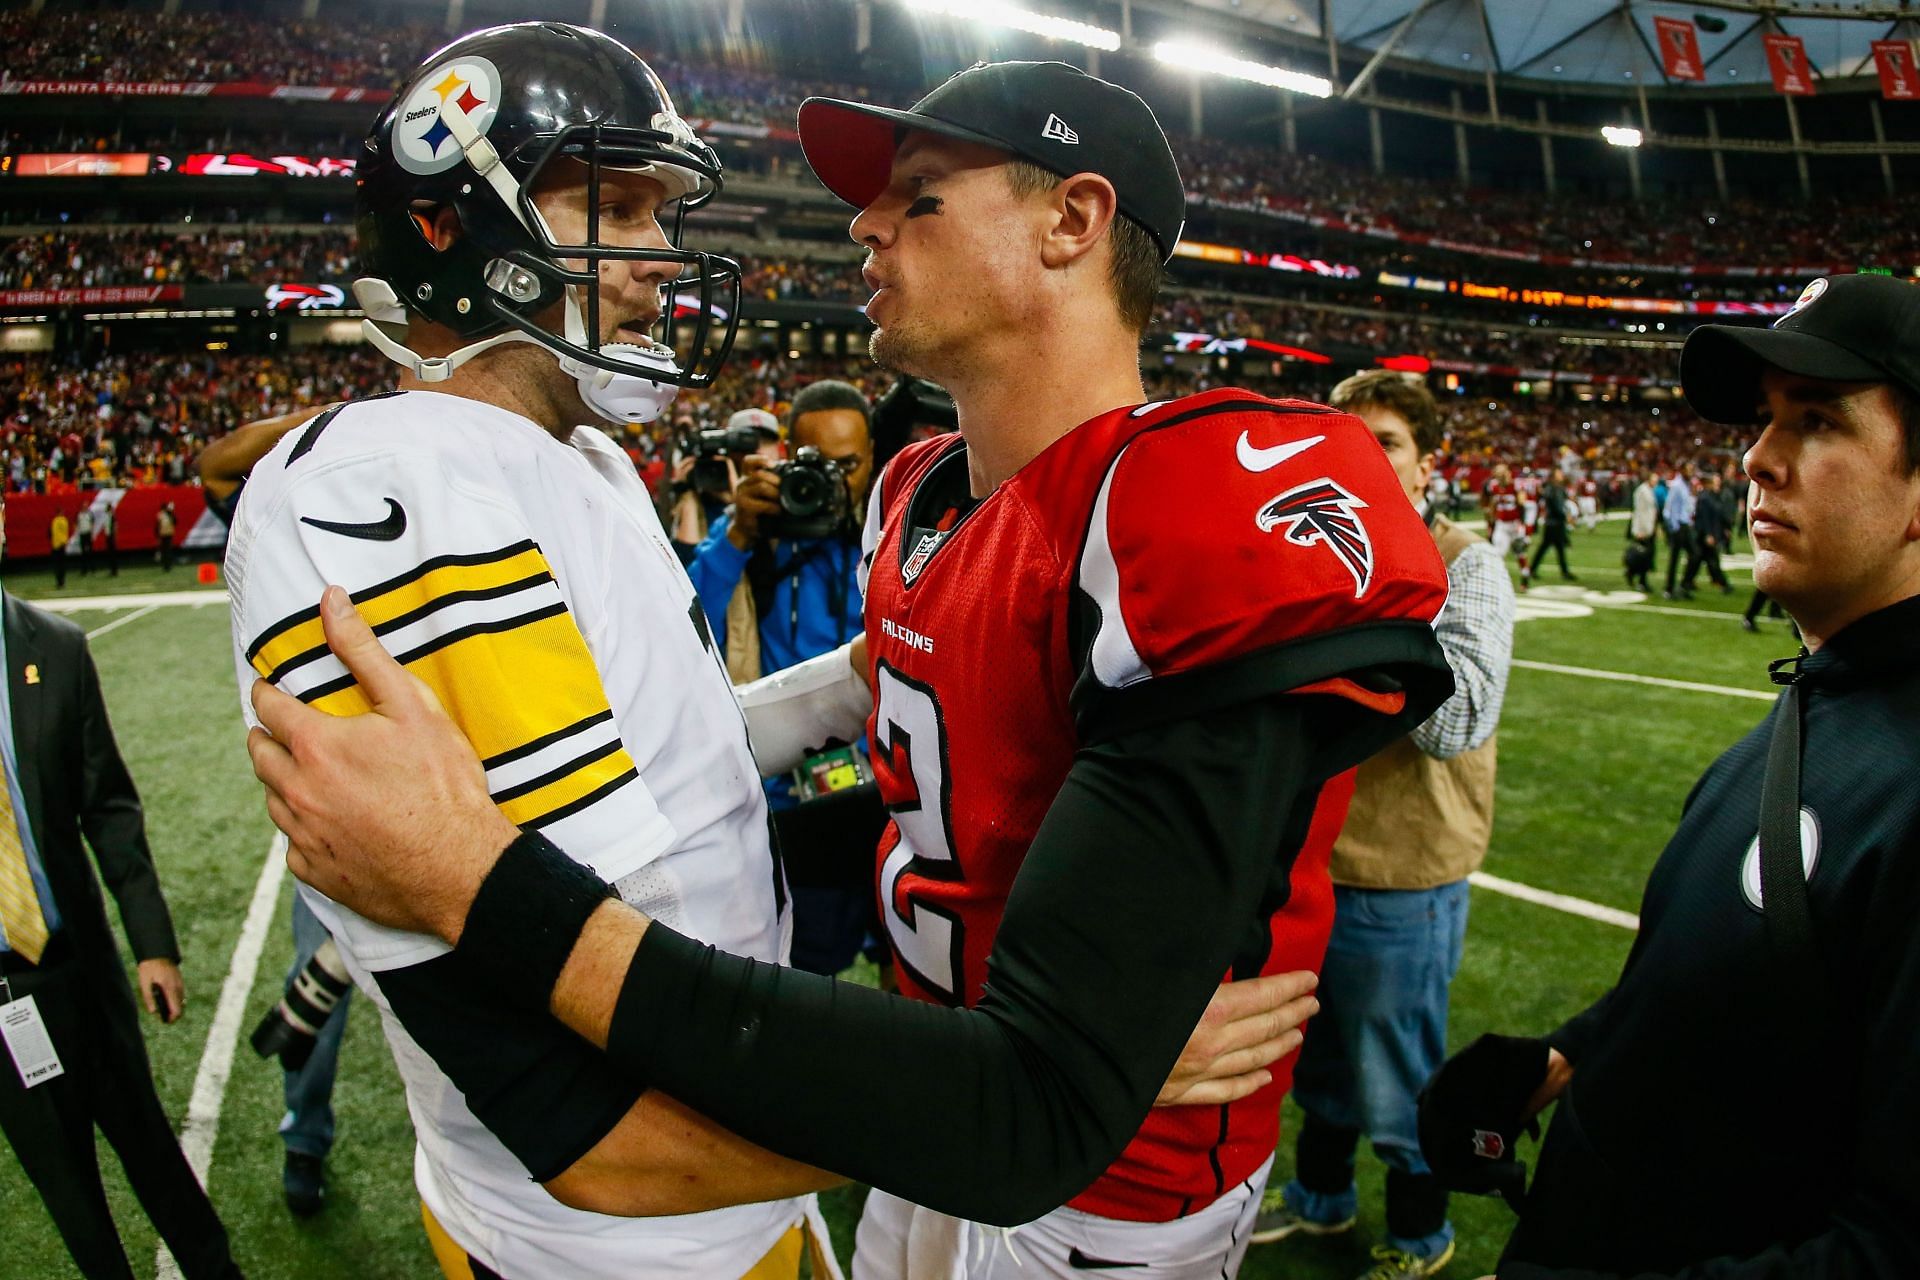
1475	631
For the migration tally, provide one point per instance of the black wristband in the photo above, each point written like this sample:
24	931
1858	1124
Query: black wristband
528	914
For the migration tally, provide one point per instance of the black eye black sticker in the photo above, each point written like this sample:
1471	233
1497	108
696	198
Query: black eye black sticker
924	205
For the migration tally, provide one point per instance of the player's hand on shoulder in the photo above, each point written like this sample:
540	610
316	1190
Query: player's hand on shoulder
386	813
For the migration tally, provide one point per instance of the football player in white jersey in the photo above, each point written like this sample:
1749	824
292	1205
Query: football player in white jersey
511	200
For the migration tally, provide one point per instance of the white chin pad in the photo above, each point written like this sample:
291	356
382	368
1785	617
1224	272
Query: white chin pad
795	711
626	397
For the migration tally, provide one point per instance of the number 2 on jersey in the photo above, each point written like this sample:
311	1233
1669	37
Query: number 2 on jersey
909	732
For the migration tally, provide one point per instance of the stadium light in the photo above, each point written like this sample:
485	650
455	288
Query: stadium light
1620	137
1195	58
1007	15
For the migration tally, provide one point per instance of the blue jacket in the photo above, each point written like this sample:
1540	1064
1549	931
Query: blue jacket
816	593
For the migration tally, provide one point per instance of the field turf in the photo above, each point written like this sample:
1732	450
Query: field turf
1592	775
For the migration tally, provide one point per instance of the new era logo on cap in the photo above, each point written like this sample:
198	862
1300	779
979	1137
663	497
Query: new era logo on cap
1059	131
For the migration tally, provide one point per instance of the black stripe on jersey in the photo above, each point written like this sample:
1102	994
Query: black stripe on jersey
555	774
412	616
592	797
311	436
365	594
1213	1156
925	489
1387	655
491	627
545	740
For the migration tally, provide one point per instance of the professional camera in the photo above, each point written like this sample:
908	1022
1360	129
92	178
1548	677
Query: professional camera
814	502
711	451
292	1026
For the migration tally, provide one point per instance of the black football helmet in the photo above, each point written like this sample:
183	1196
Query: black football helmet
473	128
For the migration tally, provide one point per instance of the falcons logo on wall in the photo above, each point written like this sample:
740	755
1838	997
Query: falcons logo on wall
1320	511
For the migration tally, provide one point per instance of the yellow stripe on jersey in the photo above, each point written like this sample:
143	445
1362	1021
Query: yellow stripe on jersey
398	602
511	684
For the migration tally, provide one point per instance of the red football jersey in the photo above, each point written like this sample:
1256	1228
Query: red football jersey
1504	499
1201	530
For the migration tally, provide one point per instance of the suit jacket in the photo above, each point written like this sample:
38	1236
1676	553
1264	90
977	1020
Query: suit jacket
73	783
1710	516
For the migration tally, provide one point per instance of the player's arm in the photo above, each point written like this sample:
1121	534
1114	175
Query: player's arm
466	599
1475	631
224	464
1111	946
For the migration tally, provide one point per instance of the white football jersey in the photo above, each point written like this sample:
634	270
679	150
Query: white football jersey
529	582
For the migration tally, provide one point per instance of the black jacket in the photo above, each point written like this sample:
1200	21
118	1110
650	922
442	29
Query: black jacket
1713	1127
1710	516
73	783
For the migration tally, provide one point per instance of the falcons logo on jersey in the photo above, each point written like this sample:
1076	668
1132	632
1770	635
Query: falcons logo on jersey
1320	511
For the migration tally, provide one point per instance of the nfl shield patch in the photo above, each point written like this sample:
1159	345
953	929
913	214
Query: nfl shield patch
1488	1146
922	552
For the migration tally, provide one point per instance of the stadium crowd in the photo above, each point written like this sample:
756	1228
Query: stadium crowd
69	259
1834	229
132	45
122	419
1236	315
72	258
119	418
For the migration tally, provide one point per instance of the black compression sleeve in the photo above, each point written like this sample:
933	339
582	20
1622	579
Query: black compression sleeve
1159	860
545	1093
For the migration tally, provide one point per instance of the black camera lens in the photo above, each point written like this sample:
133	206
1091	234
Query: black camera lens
804	493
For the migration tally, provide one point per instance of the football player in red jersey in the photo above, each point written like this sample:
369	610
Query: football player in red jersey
1589	502
1500	500
1122	658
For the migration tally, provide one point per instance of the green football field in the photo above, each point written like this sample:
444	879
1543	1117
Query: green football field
1594	765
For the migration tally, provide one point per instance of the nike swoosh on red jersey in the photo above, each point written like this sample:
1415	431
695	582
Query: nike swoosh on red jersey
1258	460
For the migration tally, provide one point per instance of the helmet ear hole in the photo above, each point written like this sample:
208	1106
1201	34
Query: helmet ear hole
427	217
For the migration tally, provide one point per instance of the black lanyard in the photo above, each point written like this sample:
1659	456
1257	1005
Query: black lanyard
1783	870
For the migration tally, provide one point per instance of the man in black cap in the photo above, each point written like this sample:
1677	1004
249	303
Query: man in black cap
1125	652
1742	1104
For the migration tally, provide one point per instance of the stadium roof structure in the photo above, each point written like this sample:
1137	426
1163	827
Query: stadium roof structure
1590	44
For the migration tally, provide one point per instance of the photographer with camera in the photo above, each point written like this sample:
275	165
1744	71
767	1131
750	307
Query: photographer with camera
706	468
793	535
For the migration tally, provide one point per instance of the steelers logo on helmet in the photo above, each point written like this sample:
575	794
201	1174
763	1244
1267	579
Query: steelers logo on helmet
423	142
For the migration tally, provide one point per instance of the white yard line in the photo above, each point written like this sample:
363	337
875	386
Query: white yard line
216	1060
1558	901
121	621
1690	686
74	604
1668	610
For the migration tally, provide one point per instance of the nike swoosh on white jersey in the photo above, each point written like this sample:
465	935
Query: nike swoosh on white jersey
1257	460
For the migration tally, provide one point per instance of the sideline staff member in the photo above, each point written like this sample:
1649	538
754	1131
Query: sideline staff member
64	777
1739	1107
